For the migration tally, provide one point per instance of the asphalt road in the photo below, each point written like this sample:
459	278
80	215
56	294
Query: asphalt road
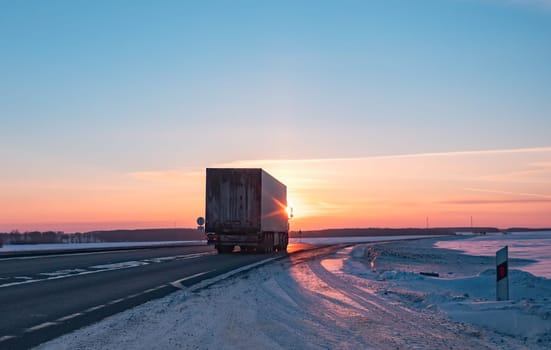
43	297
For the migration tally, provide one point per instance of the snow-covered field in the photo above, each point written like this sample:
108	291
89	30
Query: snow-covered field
533	246
365	296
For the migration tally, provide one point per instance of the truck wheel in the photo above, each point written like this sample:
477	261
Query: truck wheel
285	243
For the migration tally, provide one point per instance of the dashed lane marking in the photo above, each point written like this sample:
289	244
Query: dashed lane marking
89	310
60	255
116	301
153	289
178	283
106	268
40	326
94	308
67	318
134	295
7	337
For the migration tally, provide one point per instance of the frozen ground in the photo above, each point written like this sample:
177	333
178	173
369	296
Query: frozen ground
367	296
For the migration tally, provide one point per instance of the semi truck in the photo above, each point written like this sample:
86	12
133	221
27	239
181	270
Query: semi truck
245	207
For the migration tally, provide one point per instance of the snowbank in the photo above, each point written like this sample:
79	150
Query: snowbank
464	289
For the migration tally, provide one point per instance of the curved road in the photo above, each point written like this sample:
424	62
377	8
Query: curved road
43	297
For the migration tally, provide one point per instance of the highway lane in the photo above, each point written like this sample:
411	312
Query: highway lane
44	297
18	269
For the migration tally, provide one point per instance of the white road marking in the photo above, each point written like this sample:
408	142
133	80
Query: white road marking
153	289
62	272
55	278
60	255
105	268
7	337
66	318
40	326
178	283
94	308
179	257
120	265
17	283
133	295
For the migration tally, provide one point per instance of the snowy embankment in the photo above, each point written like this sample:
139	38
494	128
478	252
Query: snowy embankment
465	289
367	296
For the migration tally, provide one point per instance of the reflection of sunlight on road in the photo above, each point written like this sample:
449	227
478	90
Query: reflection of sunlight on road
315	280
293	247
332	265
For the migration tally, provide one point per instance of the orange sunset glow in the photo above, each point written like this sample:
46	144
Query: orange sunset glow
373	114
502	188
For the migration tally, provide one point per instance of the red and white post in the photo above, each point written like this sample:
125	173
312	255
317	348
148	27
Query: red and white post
502	274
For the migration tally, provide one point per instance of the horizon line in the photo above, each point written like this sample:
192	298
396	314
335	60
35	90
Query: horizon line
544	228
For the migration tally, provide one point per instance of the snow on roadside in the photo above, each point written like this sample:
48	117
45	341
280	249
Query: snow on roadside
464	289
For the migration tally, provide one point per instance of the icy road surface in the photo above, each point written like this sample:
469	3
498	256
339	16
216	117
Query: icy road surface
358	298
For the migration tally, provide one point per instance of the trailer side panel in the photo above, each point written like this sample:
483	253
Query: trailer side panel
274	205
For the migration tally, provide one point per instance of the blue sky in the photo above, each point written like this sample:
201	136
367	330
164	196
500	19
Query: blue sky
93	87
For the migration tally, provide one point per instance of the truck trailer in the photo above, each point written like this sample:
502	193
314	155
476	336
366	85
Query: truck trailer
246	208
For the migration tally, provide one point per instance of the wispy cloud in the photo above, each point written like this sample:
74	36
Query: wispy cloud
535	172
392	189
496	201
521	194
252	163
171	174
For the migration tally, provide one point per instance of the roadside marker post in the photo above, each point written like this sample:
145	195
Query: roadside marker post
200	223
502	274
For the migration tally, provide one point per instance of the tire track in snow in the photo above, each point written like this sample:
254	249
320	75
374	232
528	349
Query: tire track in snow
395	325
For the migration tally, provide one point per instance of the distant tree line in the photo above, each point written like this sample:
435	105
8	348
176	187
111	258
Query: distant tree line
36	237
149	235
141	235
355	232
